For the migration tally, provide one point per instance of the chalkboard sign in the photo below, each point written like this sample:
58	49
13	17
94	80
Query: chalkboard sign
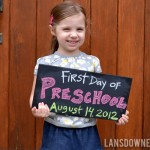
81	93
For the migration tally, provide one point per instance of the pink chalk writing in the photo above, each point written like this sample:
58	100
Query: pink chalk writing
105	99
79	96
86	99
78	93
121	103
47	82
97	96
65	94
55	92
113	101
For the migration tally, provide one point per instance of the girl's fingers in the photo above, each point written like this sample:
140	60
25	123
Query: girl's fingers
47	106
41	108
33	110
120	122
42	111
127	112
40	105
123	120
125	117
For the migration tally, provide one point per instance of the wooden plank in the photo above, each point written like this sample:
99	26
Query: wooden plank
4	75
130	63
43	46
146	115
104	46
87	45
22	57
43	31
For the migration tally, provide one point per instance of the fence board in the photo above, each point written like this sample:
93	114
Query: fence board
104	46
130	63
22	54
43	31
146	106
43	46
4	75
115	36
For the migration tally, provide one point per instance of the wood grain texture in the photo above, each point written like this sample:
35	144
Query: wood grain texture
119	33
130	63
43	30
146	106
22	55
104	46
4	75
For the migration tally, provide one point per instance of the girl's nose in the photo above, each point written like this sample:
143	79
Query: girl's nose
73	34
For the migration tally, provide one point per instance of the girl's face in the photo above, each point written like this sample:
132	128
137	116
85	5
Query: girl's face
70	33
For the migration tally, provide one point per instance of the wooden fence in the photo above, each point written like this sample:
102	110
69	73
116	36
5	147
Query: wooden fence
119	35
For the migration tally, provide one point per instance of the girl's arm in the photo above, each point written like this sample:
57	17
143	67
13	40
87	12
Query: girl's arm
42	110
32	91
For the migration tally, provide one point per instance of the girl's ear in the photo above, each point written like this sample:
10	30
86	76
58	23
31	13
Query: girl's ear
52	29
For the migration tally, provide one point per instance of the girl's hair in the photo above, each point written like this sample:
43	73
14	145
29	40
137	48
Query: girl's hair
60	12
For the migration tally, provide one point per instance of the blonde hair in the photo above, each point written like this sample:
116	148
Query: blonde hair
60	12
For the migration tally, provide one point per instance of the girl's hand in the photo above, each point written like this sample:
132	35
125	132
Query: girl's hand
42	111
124	119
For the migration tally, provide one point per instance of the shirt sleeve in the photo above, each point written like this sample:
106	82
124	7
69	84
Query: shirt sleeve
36	67
39	61
97	66
46	60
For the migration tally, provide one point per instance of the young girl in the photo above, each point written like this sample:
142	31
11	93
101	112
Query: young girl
68	26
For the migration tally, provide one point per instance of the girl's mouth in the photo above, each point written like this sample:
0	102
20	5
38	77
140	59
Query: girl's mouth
72	42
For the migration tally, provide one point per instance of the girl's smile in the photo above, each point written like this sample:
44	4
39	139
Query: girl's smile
72	43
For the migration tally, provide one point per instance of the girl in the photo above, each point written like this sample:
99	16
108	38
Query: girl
68	26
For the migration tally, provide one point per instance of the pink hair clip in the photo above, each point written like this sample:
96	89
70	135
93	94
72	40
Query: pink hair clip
51	20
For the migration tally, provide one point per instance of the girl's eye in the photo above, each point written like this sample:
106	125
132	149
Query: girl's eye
66	29
80	29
